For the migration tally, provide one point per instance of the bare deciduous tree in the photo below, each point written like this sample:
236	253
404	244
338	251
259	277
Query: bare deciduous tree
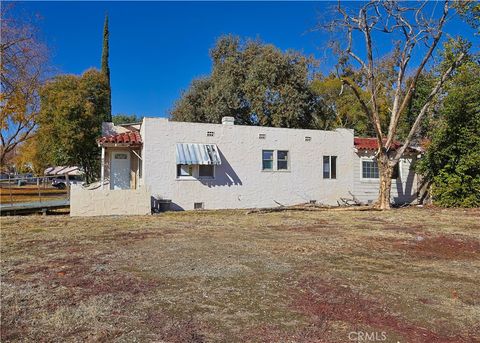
411	31
22	68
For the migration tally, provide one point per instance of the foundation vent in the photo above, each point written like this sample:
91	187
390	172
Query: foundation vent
198	206
262	136
308	138
210	133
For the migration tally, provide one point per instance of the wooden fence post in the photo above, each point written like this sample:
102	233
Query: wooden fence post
68	186
10	188
39	189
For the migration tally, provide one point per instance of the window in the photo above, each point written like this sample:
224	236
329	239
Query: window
184	170
267	159
333	167
275	160
308	139
370	169
329	167
120	156
210	133
262	136
206	171
282	160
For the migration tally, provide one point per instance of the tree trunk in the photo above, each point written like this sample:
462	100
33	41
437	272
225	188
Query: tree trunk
385	171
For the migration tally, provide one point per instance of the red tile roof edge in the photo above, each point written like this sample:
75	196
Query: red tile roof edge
131	138
370	143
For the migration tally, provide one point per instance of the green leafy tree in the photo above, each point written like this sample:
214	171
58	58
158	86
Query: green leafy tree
254	82
106	68
72	111
452	161
340	107
126	118
424	86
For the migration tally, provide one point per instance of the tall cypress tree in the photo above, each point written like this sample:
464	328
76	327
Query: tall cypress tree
106	69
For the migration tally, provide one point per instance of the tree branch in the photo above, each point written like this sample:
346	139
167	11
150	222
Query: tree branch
399	110
427	105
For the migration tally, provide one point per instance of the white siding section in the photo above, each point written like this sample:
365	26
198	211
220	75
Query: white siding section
404	189
239	181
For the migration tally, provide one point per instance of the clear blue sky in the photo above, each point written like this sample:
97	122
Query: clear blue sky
157	48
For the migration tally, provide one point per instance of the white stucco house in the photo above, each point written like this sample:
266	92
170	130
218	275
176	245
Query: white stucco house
220	166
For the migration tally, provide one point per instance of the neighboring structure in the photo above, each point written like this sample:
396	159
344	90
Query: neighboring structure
213	166
63	170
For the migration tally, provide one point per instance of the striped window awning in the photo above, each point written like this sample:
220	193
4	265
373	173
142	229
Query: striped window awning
189	153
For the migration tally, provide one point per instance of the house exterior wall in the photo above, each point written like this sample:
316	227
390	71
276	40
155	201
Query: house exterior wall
239	181
403	190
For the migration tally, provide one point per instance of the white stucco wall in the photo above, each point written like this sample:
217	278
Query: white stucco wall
99	202
403	190
240	181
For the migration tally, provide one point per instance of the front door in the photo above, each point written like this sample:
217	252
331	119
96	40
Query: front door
120	170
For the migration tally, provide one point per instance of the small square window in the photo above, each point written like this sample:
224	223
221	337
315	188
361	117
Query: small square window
262	136
210	133
267	159
120	156
198	206
282	160
184	170
206	171
308	139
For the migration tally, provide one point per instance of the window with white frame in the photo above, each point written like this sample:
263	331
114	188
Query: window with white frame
329	167
184	170
282	160
370	169
206	171
192	172
267	159
275	160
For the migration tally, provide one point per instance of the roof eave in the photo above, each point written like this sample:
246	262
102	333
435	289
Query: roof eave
119	145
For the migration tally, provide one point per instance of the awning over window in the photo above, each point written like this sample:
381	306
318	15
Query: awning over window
188	153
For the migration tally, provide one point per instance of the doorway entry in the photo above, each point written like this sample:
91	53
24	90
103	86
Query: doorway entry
120	170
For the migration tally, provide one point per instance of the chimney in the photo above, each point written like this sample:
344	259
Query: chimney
228	121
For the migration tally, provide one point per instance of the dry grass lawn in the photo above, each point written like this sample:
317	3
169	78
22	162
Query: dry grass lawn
407	275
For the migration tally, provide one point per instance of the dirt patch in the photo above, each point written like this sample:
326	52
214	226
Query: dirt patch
83	277
410	229
439	247
313	333
133	236
320	226
374	220
327	300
